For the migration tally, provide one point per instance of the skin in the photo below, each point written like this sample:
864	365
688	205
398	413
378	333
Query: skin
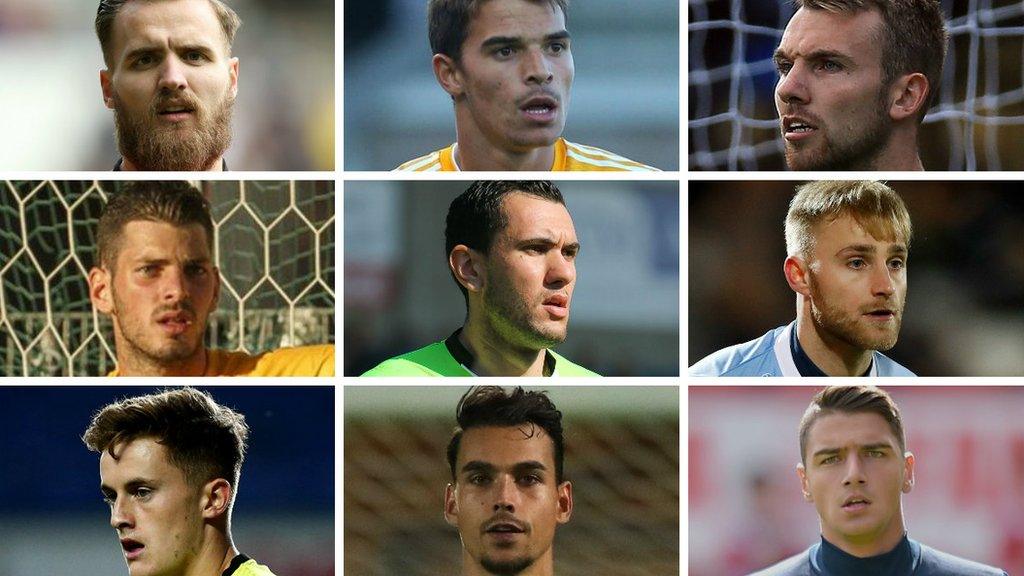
170	53
849	275
530	261
183	528
507	473
515	50
830	76
857	455
161	271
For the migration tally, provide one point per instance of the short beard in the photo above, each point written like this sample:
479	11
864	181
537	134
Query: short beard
857	152
157	148
836	324
158	357
511	319
507	567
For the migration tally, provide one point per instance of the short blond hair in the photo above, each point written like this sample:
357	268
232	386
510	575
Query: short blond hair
874	205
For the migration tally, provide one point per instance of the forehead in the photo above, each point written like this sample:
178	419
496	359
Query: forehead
843	430
147	22
854	34
148	239
528	215
515	18
137	458
837	232
504	446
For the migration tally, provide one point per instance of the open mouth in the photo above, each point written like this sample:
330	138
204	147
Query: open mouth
175	323
175	111
557	305
795	127
881	314
856	503
540	108
132	548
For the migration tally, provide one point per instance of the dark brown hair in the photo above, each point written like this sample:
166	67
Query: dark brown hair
176	203
852	400
913	37
492	406
204	439
107	12
448	22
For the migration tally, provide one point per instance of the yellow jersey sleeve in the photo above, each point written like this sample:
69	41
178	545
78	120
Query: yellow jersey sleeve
442	160
571	157
300	361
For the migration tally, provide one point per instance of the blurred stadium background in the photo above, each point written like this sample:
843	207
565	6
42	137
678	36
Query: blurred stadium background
622	456
977	124
399	294
965	297
52	516
274	245
625	97
745	506
284	114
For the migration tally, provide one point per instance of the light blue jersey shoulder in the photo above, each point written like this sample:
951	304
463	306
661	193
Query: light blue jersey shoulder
770	355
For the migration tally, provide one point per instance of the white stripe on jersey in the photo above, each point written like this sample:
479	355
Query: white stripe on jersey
420	163
611	160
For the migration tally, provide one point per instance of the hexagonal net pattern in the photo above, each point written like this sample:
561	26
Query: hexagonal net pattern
274	246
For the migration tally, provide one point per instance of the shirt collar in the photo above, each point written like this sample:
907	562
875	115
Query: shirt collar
465	358
901	560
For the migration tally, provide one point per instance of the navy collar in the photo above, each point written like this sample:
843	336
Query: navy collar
120	161
465	358
235	563
803	362
829	560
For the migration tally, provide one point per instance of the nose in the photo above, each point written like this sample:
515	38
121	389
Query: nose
172	75
792	88
561	270
120	515
507	496
882	283
854	471
175	285
536	68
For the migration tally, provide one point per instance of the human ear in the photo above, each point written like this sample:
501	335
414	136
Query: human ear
564	511
233	72
215	498
451	506
804	484
908	473
99	290
795	270
448	75
106	86
465	264
909	94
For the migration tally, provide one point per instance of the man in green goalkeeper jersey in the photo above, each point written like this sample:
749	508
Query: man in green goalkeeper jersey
169	469
512	251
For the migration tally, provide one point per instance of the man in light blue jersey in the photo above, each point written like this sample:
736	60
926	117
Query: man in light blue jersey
847	246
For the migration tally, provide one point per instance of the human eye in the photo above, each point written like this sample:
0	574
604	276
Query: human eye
143	60
479	479
195	56
783	66
831	66
147	270
504	52
857	263
876	453
558	47
108	499
196	270
897	264
829	460
142	493
530	480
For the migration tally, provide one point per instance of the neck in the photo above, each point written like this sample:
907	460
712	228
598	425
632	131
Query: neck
832	355
496	356
900	153
129	166
869	545
131	362
476	152
215	554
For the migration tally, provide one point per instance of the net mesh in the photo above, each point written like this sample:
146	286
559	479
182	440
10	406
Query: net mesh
625	519
274	245
976	124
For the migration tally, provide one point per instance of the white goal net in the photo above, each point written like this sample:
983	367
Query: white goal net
977	123
274	245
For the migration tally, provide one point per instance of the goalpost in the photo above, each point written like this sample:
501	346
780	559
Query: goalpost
976	124
274	245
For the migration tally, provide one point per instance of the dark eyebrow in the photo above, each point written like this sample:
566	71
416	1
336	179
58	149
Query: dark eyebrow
813	55
481	466
518	40
529	465
831	451
477	466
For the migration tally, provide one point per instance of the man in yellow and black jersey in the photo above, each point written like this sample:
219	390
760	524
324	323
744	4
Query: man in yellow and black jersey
169	470
508	68
156	279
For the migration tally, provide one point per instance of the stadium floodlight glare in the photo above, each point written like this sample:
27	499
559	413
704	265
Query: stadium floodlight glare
976	124
273	243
